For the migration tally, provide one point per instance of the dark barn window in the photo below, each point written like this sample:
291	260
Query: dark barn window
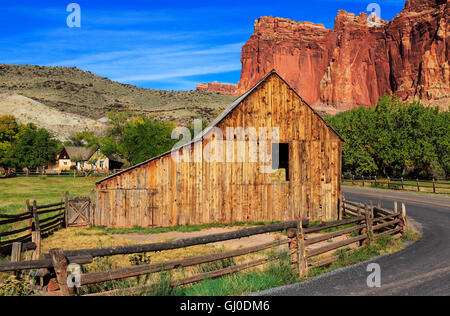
280	158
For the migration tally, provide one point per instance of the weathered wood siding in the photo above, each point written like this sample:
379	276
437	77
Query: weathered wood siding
165	193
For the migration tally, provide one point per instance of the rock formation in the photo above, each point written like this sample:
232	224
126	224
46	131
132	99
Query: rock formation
359	60
222	88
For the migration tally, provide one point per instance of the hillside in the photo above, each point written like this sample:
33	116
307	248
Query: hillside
61	124
82	93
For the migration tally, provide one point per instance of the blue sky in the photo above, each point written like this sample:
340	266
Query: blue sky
169	45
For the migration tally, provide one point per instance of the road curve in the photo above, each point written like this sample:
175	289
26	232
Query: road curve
422	269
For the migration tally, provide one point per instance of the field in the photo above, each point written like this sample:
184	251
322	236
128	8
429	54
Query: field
45	190
15	191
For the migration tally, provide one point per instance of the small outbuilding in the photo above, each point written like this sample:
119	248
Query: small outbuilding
268	157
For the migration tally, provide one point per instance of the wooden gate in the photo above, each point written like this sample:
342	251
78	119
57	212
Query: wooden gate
79	213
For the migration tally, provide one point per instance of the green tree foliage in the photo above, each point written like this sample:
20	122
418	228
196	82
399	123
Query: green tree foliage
9	129
25	146
395	139
34	147
83	139
135	139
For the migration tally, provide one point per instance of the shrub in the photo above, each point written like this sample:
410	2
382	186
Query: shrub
14	287
139	259
216	265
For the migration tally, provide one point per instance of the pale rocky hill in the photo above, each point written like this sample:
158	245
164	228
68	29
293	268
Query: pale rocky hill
83	93
61	124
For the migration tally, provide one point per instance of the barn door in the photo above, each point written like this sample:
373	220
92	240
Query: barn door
79	211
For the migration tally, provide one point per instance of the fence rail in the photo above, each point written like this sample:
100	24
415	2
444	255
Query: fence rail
56	173
416	185
360	224
35	226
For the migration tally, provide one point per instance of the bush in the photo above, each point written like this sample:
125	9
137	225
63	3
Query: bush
216	265
164	285
139	259
14	287
385	241
103	264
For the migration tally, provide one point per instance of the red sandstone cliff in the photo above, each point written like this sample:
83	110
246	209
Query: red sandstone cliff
223	88
356	62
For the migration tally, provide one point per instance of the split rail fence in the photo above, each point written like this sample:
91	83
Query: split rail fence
360	224
37	221
416	185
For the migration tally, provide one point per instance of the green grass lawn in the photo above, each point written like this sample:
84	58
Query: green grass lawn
45	190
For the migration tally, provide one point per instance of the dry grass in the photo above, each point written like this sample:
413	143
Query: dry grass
79	238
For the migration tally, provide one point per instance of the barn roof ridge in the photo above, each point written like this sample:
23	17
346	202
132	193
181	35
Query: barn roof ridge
220	118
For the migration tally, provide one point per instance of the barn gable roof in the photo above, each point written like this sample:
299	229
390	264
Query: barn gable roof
219	119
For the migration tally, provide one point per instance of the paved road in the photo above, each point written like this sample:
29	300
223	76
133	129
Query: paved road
422	269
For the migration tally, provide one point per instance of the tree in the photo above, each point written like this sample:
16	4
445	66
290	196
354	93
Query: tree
33	147
135	139
9	129
83	139
395	139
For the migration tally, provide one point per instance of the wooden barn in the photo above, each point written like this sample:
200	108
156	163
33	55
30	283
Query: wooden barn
298	177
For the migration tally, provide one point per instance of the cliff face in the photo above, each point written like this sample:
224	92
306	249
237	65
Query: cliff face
222	88
359	60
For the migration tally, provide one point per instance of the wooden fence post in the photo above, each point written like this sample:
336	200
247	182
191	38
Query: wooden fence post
36	238
368	225
389	182
341	216
30	221
66	210
395	207
36	233
16	254
301	251
92	206
404	219
59	260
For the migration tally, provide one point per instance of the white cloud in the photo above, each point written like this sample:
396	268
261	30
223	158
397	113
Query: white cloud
183	72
